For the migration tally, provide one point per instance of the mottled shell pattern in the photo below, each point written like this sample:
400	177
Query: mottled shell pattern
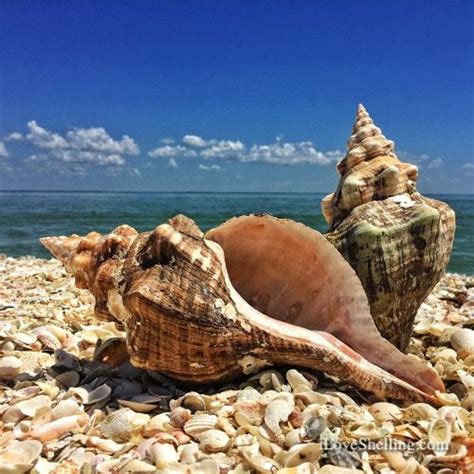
398	241
171	290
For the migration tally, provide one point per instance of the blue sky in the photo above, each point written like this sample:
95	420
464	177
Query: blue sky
230	95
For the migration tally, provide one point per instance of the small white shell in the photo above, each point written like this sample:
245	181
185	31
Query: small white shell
277	412
439	436
462	340
157	424
66	407
300	453
213	441
200	423
163	454
298	382
419	411
9	367
117	425
260	463
383	411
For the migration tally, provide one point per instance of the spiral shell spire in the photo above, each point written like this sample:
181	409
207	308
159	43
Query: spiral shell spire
370	171
397	241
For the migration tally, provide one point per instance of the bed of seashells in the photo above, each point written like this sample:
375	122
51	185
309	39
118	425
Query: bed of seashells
62	411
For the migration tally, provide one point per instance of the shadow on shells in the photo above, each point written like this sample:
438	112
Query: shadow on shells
397	240
256	291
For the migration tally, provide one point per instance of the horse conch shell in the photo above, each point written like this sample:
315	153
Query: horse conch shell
196	308
397	240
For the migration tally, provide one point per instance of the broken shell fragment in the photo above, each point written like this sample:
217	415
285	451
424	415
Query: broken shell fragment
310	452
462	341
439	436
9	367
163	454
19	456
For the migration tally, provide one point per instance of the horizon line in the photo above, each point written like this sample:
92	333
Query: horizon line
189	192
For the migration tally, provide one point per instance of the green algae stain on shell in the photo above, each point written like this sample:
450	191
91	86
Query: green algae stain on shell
398	241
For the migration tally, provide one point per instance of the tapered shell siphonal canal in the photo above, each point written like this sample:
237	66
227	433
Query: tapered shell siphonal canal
191	311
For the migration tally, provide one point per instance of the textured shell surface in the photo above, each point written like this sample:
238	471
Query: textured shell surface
199	309
117	425
213	441
398	241
199	423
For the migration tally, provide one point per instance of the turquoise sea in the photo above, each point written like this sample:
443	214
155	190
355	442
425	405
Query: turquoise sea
26	216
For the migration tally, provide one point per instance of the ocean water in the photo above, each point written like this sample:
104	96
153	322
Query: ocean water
26	216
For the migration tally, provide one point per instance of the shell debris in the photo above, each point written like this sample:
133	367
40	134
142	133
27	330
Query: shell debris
63	410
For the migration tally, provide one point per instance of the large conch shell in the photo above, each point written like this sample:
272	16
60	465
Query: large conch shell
398	241
193	307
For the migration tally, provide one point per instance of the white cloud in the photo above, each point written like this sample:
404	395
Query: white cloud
169	151
3	150
225	149
435	163
421	160
172	163
167	141
14	136
290	154
194	140
43	138
98	139
209	168
93	146
279	152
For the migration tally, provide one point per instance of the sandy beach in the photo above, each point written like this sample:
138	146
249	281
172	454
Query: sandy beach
62	412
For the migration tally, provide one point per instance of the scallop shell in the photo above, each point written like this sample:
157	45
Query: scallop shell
374	213
98	394
218	279
118	425
462	341
199	423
